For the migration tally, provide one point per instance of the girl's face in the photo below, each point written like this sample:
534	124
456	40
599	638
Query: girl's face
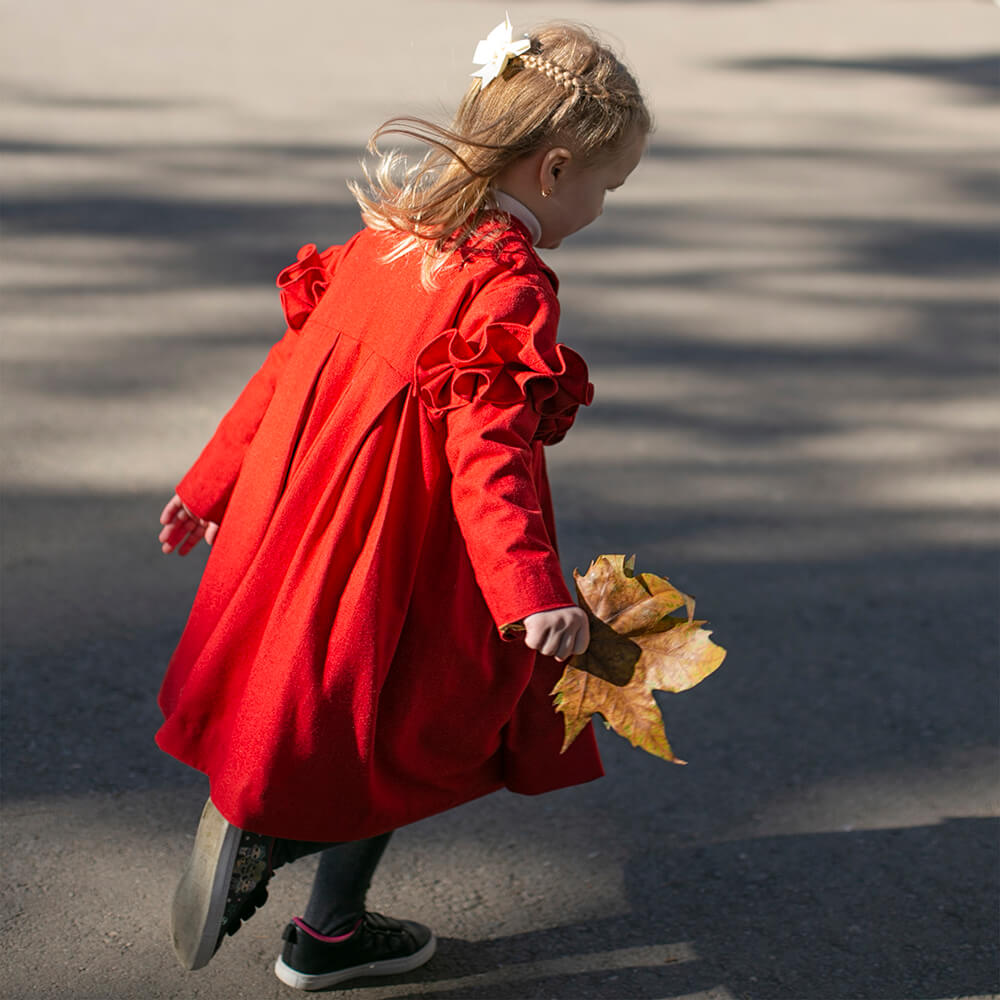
578	190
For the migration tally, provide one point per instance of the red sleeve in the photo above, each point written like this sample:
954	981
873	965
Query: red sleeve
208	484
499	512
499	382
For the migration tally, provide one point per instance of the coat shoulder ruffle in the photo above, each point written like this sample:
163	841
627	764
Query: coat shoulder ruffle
504	364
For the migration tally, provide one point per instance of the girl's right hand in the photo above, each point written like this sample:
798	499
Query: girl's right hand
561	633
182	530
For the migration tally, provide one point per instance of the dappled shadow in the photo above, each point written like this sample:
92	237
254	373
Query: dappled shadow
791	396
897	914
48	98
977	76
162	218
813	643
224	238
860	619
890	246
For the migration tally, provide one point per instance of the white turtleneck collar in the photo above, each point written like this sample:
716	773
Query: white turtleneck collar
509	204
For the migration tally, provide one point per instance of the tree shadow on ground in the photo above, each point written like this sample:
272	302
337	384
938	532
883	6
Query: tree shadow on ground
765	724
891	913
897	914
979	76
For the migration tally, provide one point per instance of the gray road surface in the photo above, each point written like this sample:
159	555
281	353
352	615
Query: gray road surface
791	317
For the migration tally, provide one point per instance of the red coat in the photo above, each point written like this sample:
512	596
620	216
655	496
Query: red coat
384	508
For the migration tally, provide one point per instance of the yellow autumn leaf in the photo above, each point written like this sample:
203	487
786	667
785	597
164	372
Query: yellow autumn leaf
637	646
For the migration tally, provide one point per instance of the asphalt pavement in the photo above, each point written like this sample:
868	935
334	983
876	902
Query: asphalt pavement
790	313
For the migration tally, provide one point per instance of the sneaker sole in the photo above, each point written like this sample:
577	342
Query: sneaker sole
387	967
200	899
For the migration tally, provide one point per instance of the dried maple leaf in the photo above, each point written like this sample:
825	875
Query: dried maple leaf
636	646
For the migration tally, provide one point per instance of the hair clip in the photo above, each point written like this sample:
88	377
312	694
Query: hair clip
496	50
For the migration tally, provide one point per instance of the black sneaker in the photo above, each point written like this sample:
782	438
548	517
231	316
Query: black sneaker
223	884
379	946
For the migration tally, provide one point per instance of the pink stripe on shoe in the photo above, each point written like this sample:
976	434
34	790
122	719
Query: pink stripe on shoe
302	925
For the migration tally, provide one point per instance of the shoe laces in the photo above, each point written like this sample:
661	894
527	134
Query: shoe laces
383	931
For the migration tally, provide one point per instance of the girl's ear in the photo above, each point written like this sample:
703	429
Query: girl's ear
552	165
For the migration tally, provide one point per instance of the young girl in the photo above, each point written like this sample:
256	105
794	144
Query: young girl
380	513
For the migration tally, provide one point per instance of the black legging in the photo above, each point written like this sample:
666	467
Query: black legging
345	871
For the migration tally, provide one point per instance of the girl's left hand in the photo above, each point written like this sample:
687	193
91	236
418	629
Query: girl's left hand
561	633
183	530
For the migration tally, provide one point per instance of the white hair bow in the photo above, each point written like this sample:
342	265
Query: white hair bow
496	50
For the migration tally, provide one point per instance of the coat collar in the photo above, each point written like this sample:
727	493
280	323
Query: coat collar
518	210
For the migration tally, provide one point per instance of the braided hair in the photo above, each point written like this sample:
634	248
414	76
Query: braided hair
566	79
568	87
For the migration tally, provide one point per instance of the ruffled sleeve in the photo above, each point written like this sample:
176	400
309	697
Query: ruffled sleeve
502	387
504	364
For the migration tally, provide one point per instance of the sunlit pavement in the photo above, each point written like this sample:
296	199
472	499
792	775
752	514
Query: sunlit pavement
790	314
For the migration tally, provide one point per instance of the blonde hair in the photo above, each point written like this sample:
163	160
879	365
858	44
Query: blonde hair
568	87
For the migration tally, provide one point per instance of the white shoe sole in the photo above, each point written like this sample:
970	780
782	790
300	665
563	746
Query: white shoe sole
387	967
200	899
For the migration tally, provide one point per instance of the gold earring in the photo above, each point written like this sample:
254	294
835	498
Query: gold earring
546	192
